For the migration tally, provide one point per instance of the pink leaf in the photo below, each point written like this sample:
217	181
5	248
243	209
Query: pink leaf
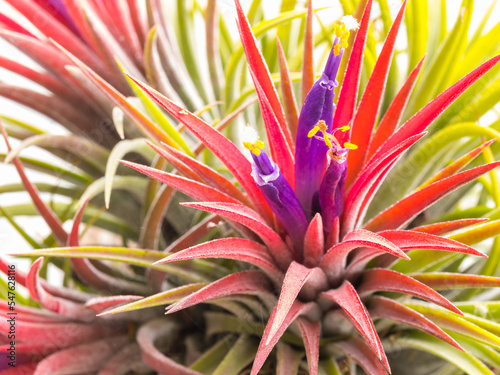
385	308
249	218
185	185
260	71
394	113
384	280
90	356
348	299
230	248
366	114
407	208
148	334
314	242
346	103
423	118
295	278
334	261
58	305
246	282
267	343
222	147
310	335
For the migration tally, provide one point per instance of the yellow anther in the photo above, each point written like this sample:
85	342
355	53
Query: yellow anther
344	128
313	131
254	147
344	42
328	142
350	146
336	50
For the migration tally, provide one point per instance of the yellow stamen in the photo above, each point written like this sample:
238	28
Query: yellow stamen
254	147
344	128
336	50
313	131
350	146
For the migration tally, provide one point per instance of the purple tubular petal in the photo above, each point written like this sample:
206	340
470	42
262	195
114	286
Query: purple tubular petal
280	197
331	192
310	153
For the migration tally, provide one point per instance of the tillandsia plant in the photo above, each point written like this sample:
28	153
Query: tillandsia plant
299	259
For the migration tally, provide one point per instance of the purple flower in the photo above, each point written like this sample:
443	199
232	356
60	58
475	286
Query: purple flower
331	191
310	153
278	194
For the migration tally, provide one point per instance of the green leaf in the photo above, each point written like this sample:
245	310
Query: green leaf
119	151
137	257
211	358
163	298
241	354
456	323
422	341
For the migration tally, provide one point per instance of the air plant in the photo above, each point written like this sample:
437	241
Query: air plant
289	255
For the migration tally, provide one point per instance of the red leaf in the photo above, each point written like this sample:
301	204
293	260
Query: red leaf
100	304
211	177
348	95
314	242
348	299
51	28
366	114
423	118
246	282
411	240
249	218
260	71
445	280
11	25
384	280
194	234
334	261
456	165
394	113
267	343
448	226
310	335
48	215
407	208
385	308
176	163
185	185
366	185
307	60
230	248
359	352
44	79
222	147
281	152
289	102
